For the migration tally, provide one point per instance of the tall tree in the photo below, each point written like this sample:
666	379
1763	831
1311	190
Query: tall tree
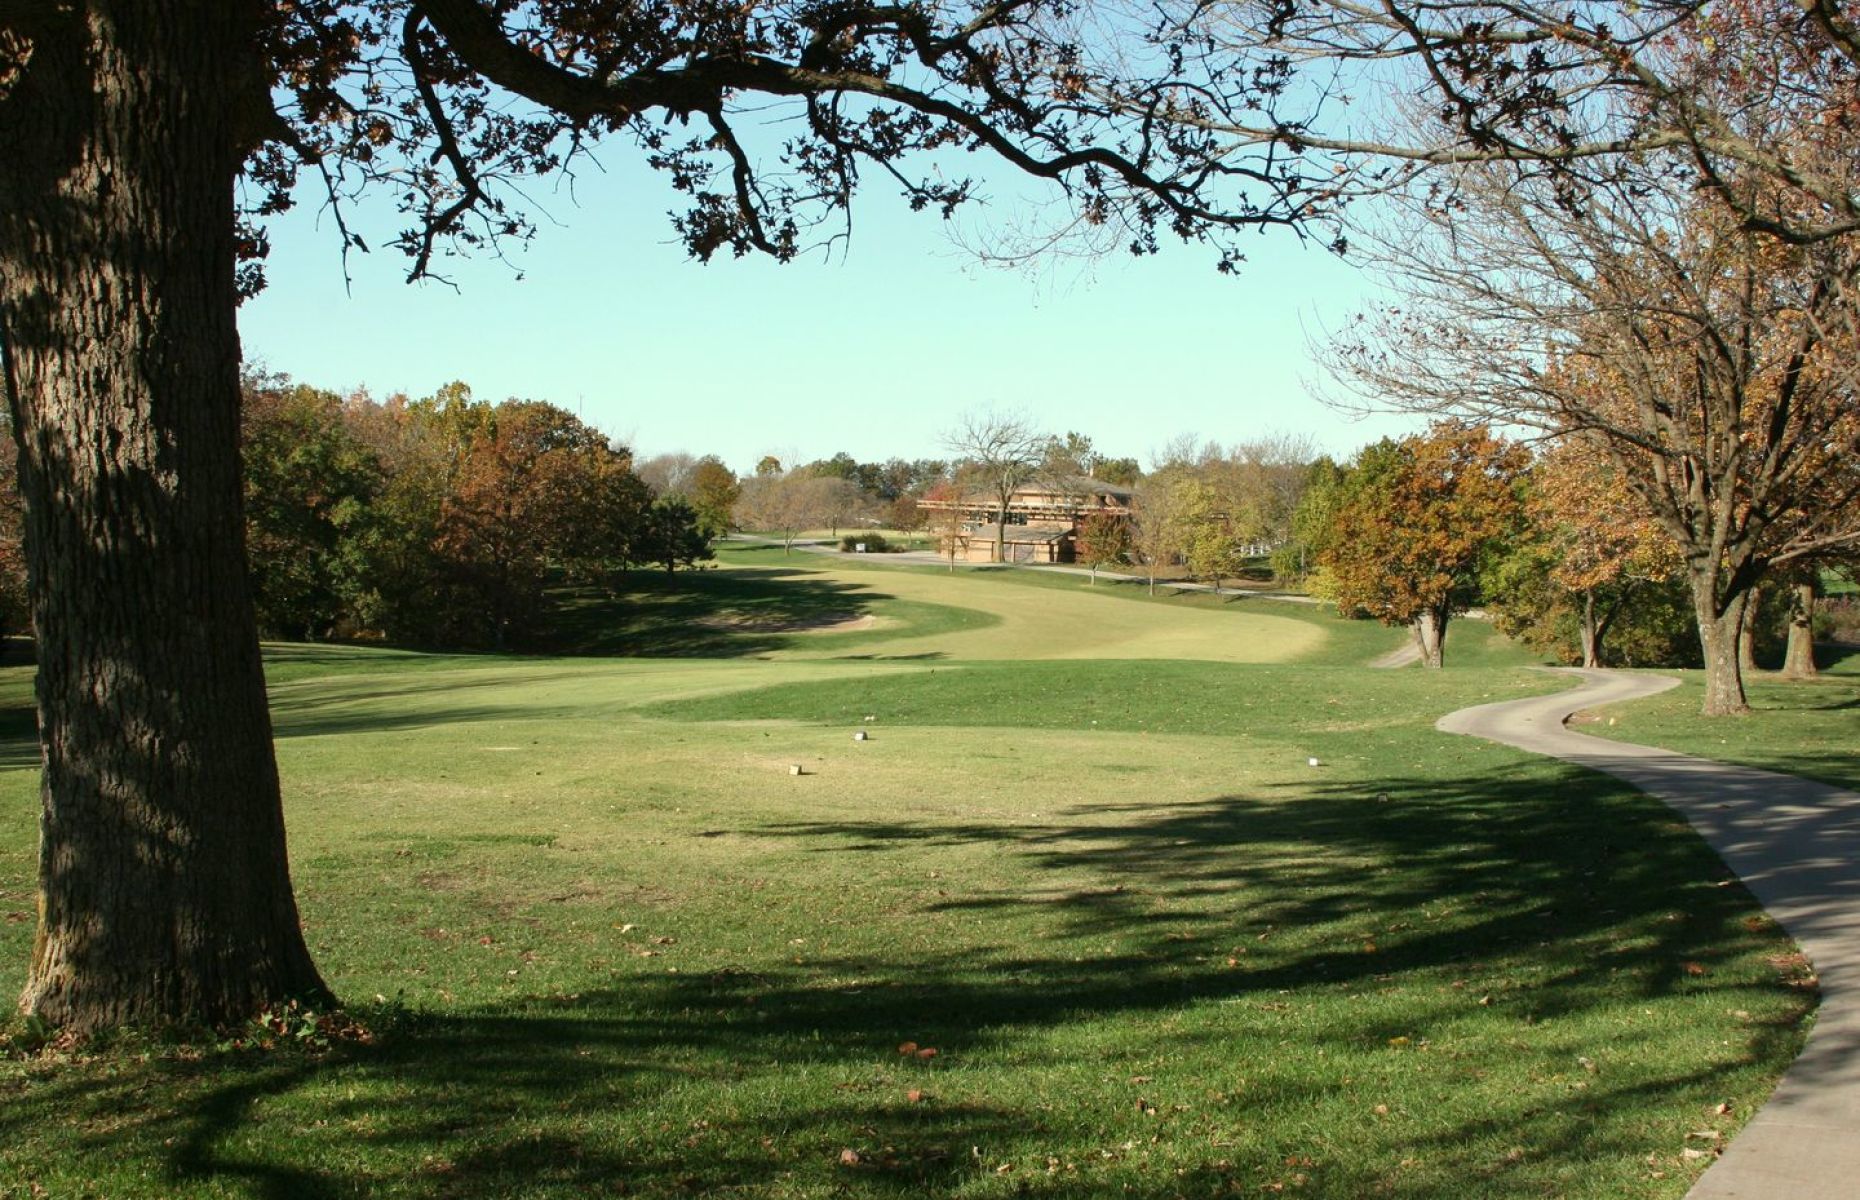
1415	519
1204	529
125	127
164	888
528	495
1714	366
1320	492
1602	544
1103	541
310	484
946	519
712	496
788	503
1156	522
1002	453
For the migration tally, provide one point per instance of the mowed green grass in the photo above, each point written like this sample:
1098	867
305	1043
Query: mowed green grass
898	612
608	944
1804	727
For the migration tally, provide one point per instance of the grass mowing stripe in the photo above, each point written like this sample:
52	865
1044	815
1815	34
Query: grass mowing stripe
1222	699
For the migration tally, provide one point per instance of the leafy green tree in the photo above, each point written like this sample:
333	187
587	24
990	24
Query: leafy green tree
672	536
1068	457
1157	522
1313	519
1594	540
1122	471
1206	538
310	487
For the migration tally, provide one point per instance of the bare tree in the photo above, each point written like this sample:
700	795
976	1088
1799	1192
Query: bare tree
786	504
669	475
1762	88
1003	453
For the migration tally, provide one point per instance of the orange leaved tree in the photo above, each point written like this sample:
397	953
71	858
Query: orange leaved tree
1416	518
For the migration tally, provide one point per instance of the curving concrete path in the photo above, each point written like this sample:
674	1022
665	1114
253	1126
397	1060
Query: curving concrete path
1796	845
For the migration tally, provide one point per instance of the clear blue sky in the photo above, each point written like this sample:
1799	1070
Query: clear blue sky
875	351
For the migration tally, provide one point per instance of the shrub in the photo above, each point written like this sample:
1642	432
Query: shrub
874	543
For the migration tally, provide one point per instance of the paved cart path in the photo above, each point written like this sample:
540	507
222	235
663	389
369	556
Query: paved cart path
1796	845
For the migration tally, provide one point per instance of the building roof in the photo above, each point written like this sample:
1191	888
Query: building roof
1021	535
1076	485
1078	491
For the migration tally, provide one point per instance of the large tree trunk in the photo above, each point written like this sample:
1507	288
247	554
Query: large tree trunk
1591	631
164	889
1430	635
1718	638
1749	610
1799	658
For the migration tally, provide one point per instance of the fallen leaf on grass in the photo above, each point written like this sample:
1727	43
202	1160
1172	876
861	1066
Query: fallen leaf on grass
849	1157
915	1096
907	1047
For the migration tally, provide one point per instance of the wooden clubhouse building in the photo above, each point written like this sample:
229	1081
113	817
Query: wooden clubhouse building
1042	521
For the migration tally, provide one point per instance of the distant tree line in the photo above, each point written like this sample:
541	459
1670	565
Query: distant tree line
451	521
444	520
1554	545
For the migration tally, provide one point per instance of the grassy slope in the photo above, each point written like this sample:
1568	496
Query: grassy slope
1809	727
1159	955
1069	621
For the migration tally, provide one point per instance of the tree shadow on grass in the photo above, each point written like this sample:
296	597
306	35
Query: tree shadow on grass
19	736
1565	873
414	702
1553	891
1839	657
721	613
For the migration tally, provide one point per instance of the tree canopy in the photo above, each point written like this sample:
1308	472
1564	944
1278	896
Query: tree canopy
1413	520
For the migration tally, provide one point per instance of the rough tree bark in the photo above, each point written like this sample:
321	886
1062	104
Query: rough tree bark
1591	631
1719	634
165	892
1799	658
1750	610
1430	635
